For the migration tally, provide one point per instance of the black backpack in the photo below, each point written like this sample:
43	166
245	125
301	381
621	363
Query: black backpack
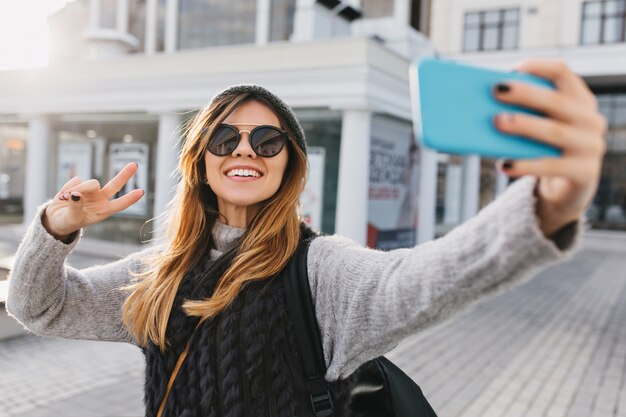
377	388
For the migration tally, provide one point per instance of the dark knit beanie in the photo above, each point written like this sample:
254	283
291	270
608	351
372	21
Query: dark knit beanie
283	109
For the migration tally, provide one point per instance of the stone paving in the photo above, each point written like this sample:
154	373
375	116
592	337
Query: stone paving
555	347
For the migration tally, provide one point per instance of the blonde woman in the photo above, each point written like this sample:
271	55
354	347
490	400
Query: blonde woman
233	226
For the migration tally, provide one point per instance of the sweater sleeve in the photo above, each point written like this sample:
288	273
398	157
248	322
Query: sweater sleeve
367	300
52	299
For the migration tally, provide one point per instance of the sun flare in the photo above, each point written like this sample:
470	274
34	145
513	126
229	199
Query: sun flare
24	36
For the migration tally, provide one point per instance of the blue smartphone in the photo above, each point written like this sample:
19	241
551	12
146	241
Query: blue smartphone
454	106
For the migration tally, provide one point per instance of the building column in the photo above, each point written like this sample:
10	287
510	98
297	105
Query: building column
171	26
471	186
263	8
427	195
37	166
122	16
150	35
353	182
402	11
94	14
166	162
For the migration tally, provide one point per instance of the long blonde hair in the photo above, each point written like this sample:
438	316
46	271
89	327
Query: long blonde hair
268	243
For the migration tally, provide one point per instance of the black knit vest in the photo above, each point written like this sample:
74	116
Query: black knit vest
242	363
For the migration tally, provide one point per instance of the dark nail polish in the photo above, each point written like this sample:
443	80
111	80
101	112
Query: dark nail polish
75	198
507	164
503	88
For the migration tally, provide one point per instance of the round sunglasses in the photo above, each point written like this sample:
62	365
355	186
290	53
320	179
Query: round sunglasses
265	140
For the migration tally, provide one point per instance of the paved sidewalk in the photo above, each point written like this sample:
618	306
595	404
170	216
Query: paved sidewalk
555	347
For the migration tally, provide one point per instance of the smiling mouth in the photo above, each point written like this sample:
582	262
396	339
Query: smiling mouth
244	173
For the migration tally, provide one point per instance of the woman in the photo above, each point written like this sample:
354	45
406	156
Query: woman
233	225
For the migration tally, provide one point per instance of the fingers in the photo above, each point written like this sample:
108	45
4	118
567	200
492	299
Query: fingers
122	177
575	169
71	183
559	73
85	187
551	102
568	138
125	201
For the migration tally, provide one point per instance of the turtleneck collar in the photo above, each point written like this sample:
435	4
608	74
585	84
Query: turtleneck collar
224	237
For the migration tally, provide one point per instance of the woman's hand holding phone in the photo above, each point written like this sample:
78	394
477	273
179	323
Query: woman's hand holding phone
81	203
566	184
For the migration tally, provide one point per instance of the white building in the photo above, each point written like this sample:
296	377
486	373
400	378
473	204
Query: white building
588	34
125	74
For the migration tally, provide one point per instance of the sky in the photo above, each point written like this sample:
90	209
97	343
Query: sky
24	38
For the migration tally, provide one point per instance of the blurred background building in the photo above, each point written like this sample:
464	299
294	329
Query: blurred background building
124	75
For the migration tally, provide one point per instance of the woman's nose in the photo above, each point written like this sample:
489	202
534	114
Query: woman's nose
243	147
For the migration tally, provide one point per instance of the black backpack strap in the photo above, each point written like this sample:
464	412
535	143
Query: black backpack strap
302	313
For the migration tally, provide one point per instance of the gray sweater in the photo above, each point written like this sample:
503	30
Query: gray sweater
366	300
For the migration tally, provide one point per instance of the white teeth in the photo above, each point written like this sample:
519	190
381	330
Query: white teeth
243	173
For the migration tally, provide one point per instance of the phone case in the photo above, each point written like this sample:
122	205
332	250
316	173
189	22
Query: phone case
455	106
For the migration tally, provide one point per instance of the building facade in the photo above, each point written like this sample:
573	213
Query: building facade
588	34
126	75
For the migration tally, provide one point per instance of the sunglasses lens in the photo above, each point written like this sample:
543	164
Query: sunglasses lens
224	141
267	141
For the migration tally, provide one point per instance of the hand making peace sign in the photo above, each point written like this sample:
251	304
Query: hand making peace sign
82	203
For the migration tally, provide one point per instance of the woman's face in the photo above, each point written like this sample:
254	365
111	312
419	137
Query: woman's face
237	192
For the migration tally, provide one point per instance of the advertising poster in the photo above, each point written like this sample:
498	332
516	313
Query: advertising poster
75	160
393	185
312	196
120	154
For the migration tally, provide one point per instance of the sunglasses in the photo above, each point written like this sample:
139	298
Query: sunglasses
265	140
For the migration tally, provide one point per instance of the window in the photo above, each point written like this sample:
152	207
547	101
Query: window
608	210
205	23
377	8
491	30
603	22
281	19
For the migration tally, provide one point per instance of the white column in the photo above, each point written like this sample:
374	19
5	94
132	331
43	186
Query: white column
427	196
353	184
150	36
263	8
471	186
37	165
402	11
502	181
304	21
122	16
171	26
94	14
166	160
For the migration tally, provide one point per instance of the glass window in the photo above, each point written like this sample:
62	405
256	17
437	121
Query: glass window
613	29
471	42
490	38
592	9
608	210
491	30
472	19
603	22
12	172
323	129
591	31
205	23
491	18
377	8
511	16
448	209
509	37
281	19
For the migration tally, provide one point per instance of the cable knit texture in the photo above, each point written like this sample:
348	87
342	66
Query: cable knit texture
366	300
